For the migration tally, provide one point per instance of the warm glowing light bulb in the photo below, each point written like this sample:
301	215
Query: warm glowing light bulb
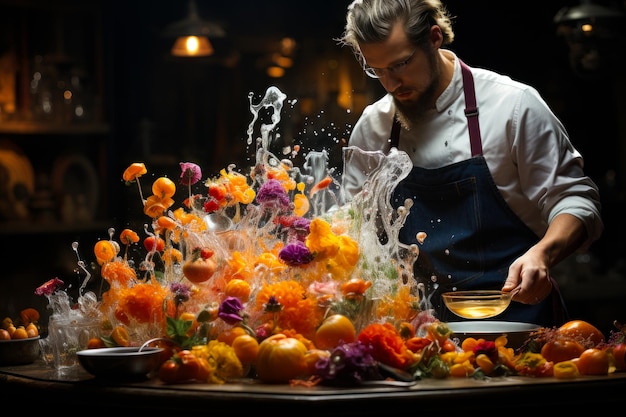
587	27
192	45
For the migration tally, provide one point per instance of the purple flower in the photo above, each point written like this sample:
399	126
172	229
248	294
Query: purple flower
273	195
190	174
272	305
348	364
182	292
230	310
295	253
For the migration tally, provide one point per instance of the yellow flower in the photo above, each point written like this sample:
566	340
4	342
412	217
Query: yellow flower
321	241
223	361
237	187
271	261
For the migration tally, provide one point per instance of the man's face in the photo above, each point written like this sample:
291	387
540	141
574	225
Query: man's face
409	73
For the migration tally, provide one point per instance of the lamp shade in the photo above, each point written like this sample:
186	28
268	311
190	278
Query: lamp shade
192	34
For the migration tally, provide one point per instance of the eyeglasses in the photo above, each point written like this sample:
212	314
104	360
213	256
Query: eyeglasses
394	69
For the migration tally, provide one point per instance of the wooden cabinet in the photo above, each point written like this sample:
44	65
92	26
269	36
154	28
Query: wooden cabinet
54	133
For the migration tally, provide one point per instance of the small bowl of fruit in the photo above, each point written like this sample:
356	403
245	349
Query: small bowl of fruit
19	340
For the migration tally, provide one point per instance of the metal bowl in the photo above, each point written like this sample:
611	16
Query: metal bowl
19	351
479	304
120	362
516	332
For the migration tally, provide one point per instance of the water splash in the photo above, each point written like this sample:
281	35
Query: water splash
376	226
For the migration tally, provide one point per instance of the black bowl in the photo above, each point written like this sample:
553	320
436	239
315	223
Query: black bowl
19	351
120	362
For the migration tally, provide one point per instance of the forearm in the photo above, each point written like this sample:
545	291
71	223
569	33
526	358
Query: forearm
564	236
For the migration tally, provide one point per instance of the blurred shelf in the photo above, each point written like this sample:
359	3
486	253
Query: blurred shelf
38	128
34	228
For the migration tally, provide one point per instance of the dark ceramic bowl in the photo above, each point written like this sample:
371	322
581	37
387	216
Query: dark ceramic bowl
19	351
120	362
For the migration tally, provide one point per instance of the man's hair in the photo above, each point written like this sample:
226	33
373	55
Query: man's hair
371	21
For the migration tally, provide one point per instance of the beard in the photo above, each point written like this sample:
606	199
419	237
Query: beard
409	114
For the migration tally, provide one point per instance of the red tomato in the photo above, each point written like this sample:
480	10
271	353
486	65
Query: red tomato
150	244
199	270
583	332
169	371
619	356
593	361
560	350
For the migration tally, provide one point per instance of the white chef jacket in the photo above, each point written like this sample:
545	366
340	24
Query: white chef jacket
527	149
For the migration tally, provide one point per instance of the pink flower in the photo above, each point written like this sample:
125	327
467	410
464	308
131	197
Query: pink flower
49	287
191	173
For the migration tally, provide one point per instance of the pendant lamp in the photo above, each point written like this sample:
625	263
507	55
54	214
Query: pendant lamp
192	34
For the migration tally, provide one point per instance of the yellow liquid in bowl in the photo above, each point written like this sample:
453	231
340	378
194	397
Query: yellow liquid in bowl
472	309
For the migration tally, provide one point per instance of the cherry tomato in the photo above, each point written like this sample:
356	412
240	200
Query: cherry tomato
593	361
154	243
583	332
560	350
169	371
619	356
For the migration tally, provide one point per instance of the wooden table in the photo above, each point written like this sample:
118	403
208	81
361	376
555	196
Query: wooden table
36	386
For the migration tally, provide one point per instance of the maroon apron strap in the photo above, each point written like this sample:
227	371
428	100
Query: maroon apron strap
394	138
471	110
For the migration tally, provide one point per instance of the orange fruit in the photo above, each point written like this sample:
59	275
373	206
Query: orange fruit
20	333
4	334
229	335
246	348
32	330
583	332
334	330
561	350
95	343
120	336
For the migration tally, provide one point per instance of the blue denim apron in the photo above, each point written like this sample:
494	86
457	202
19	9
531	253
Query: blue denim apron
472	234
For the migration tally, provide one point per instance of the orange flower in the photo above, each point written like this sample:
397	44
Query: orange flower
355	287
105	251
118	273
134	171
387	346
143	303
128	237
155	205
299	311
281	174
163	187
402	305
